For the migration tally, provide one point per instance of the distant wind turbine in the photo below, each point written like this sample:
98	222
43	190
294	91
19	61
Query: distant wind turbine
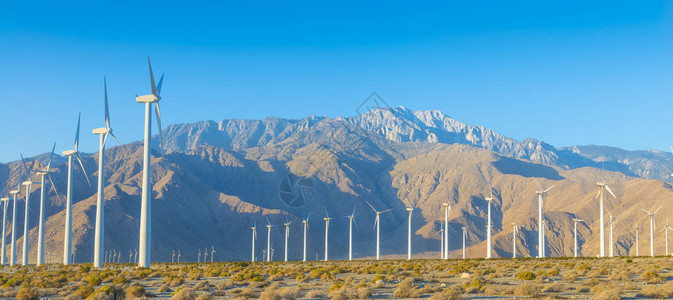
5	203
441	244
515	229
602	186
305	222
540	196
287	234
575	220
464	236
40	230
67	239
410	209
445	236
212	253
268	239
12	248
351	221
489	245
666	228
254	237
327	218
652	226
377	224
637	229
28	183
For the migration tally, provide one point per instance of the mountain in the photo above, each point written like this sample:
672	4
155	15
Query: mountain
216	179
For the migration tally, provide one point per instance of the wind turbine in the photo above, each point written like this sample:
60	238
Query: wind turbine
103	134
612	248
305	221
205	255
515	229
5	203
445	236
489	246
441	238
603	186
198	259
146	205
540	233
327	218
254	237
67	239
665	229
28	183
637	229
464	236
575	220
287	234
268	239
40	230
652	222
351	220
212	253
410	209
172	257
377	223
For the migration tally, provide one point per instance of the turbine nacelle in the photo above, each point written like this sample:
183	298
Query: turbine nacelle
14	192
4	199
28	183
102	130
70	153
148	99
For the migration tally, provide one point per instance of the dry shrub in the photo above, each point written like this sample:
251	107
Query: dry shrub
223	285
164	289
27	293
493	290
526	275
135	291
630	286
607	291
570	277
73	297
527	289
202	286
183	294
318	294
406	289
205	296
657	291
652	277
454	292
84	291
364	292
556	287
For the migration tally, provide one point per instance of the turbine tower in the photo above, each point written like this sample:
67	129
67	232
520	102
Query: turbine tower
410	209
515	229
489	246
254	237
103	134
377	223
327	218
575	220
464	236
146	204
305	221
28	183
602	186
441	239
67	239
540	232
612	248
12	248
287	234
40	230
445	236
351	220
651	228
5	203
268	239
665	229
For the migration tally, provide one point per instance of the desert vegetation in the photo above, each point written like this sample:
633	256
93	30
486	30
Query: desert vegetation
582	278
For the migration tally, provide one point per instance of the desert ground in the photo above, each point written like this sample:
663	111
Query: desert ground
553	278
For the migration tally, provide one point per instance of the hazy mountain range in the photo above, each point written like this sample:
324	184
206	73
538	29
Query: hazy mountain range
214	180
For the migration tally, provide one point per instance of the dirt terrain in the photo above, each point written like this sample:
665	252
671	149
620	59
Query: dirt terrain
555	278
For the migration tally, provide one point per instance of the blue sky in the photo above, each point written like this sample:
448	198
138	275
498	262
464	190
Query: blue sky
565	72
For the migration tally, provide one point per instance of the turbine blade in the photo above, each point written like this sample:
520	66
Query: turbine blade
114	137
105	138
387	210
371	206
83	170
649	213
547	190
610	191
25	168
308	216
54	187
356	225
597	194
51	156
376	220
107	110
161	81
161	136
657	210
538	184
154	86
353	213
326	214
79	117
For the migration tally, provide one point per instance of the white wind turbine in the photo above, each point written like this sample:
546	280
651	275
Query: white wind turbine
305	222
637	230
268	239
28	183
103	134
445	236
254	237
612	248
464	236
652	225
603	186
489	245
205	255
515	229
410	209
12	248
441	239
540	233
67	239
377	223
146	205
212	253
5	203
351	221
665	229
287	234
575	220
327	218
40	230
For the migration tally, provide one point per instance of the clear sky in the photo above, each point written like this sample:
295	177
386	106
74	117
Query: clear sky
565	72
